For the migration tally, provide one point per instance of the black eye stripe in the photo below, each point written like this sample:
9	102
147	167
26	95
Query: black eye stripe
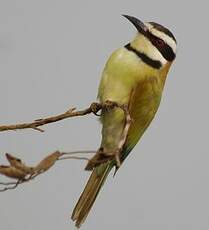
165	49
167	52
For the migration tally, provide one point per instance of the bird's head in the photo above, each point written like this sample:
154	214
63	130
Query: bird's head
153	40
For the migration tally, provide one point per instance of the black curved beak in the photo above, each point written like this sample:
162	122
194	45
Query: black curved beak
140	26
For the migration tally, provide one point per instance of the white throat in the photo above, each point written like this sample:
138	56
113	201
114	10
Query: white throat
142	44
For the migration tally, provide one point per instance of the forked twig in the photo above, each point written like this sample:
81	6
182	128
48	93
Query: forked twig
23	173
43	166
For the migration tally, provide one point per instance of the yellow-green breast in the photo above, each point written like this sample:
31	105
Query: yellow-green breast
127	80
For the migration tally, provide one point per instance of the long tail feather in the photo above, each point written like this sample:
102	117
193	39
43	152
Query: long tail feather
90	193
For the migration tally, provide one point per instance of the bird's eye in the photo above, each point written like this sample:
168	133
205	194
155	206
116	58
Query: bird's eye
160	42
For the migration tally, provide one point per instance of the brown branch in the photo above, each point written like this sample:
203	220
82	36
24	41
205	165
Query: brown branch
18	182
93	108
15	184
70	155
75	158
7	183
23	173
41	167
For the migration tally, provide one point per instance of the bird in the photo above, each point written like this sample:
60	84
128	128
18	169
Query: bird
134	75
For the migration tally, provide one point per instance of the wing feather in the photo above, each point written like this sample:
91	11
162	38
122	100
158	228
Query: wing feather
143	104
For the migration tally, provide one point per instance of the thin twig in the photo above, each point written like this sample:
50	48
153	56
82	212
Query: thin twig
69	155
18	182
75	158
12	187
8	183
34	174
93	108
48	162
78	151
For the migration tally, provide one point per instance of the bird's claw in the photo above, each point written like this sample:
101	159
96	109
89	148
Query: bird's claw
95	107
109	105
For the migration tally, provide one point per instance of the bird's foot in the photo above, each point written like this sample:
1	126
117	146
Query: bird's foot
95	107
114	155
109	105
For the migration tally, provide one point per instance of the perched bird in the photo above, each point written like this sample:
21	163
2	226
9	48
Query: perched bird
134	75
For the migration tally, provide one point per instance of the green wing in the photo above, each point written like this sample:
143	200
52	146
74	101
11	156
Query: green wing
144	102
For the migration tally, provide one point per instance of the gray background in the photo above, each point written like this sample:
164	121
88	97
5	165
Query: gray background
51	57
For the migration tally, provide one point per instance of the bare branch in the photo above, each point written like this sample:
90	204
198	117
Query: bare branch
75	158
78	151
93	108
27	173
68	155
23	173
7	183
15	184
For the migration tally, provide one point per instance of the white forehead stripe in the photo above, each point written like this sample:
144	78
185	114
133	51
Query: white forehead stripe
163	36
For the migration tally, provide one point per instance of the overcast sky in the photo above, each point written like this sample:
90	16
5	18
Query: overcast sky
51	57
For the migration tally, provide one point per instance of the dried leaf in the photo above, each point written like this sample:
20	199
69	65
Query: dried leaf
18	164
12	172
47	162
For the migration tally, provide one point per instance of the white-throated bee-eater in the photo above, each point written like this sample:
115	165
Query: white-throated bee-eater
135	76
